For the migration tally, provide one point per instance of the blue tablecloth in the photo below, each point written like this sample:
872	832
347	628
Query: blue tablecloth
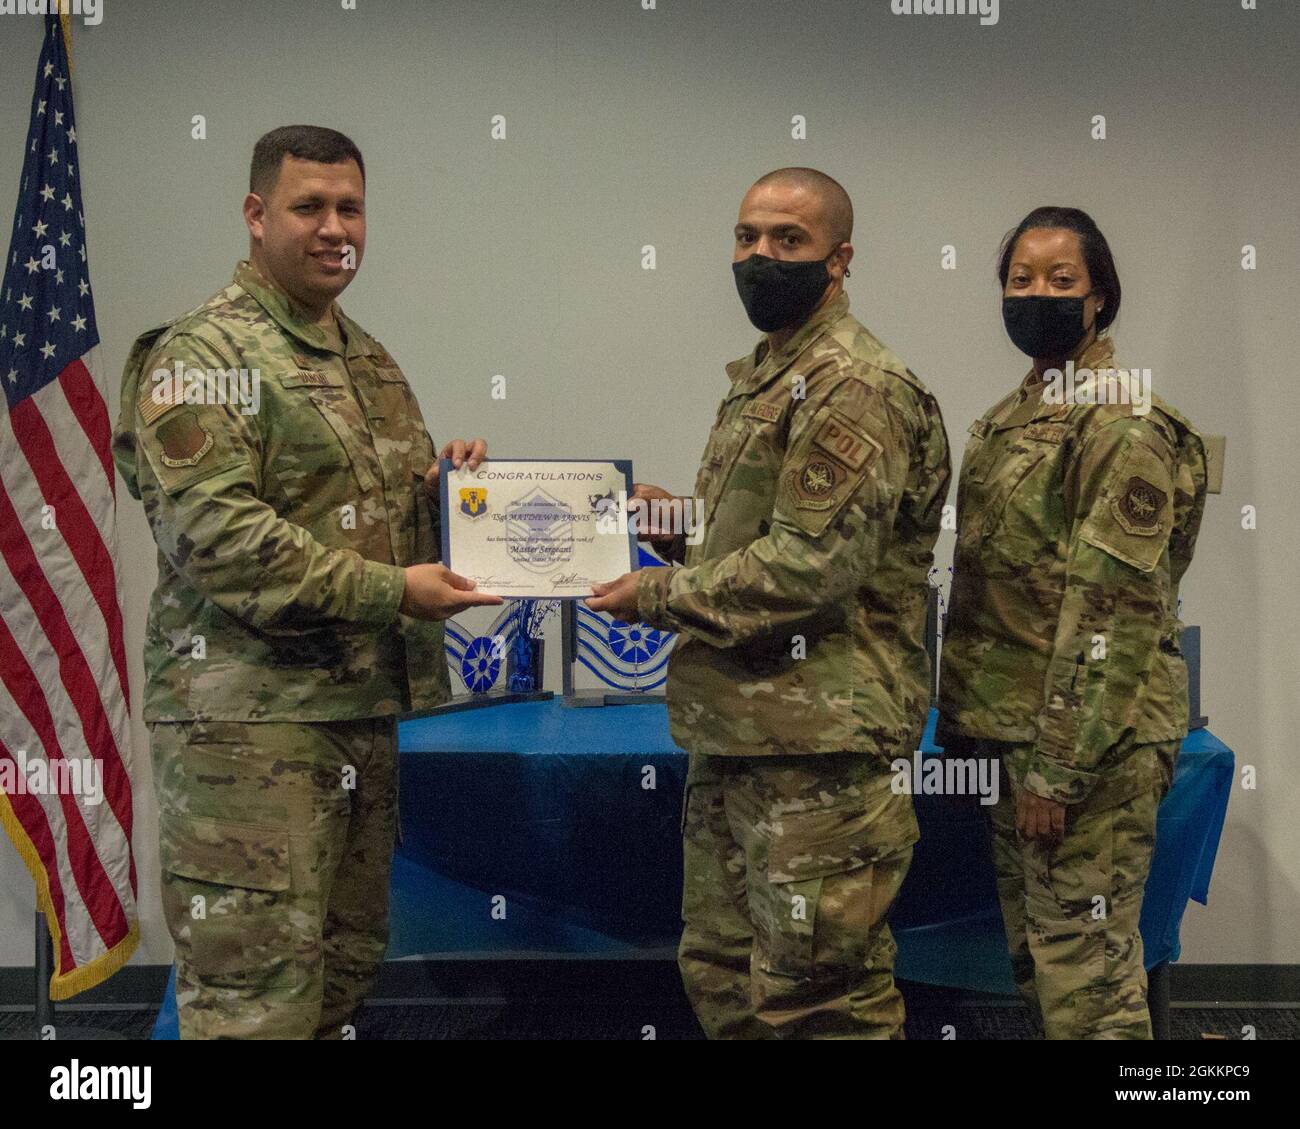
546	805
572	817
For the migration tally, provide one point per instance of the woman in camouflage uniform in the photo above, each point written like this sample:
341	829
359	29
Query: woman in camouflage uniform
1079	503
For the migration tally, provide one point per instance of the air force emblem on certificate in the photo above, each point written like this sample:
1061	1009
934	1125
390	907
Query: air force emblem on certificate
473	501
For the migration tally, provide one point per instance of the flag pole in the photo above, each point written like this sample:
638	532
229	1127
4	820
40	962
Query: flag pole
65	21
44	1012
44	971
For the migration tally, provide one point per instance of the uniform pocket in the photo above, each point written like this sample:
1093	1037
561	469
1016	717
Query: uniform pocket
812	851
1159	712
224	853
833	840
1133	520
229	902
999	512
325	423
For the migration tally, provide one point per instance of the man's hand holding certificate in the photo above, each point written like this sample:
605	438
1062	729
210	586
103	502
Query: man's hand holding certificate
433	591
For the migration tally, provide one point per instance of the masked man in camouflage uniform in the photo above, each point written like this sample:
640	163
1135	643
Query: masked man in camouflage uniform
1078	510
283	464
800	670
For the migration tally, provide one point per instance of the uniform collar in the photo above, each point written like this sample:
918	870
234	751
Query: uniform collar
1099	355
286	315
1026	403
749	373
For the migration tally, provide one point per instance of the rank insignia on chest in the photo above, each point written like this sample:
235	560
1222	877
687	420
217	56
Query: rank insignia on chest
308	373
473	501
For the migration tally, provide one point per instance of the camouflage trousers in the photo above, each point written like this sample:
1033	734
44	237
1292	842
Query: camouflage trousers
1071	911
276	846
791	866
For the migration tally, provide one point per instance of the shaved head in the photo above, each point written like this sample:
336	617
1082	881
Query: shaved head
790	217
833	202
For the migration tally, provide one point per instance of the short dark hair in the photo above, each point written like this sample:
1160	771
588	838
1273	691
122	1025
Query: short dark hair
1096	254
839	208
307	143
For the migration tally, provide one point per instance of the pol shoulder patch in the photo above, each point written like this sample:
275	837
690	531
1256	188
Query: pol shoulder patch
845	441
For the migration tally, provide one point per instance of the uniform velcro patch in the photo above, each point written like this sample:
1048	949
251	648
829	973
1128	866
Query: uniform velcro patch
844	440
816	481
184	441
1048	432
768	413
311	376
159	399
1139	508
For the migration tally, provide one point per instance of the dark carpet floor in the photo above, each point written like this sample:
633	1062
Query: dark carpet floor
548	1017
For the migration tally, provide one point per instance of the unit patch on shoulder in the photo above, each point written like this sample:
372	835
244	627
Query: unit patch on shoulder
1140	506
184	441
816	480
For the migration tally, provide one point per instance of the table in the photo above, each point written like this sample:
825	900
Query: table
556	811
548	807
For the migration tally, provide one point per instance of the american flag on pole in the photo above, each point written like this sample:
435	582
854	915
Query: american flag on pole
65	754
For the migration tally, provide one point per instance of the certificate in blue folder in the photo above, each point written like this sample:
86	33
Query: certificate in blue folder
537	528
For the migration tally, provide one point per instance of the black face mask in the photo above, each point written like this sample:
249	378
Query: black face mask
780	292
1044	326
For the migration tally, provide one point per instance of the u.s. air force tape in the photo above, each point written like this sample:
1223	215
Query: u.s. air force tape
760	409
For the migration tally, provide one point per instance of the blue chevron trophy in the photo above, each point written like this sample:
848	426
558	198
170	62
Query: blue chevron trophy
628	661
504	664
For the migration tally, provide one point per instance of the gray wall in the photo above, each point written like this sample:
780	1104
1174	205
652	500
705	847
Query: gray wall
627	127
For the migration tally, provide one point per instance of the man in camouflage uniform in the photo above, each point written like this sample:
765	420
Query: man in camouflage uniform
800	670
1076	522
293	618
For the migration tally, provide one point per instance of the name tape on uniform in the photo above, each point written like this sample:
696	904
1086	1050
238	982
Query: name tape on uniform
1048	432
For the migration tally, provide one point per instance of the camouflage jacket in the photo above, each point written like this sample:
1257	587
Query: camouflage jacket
282	532
802	608
1075	524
